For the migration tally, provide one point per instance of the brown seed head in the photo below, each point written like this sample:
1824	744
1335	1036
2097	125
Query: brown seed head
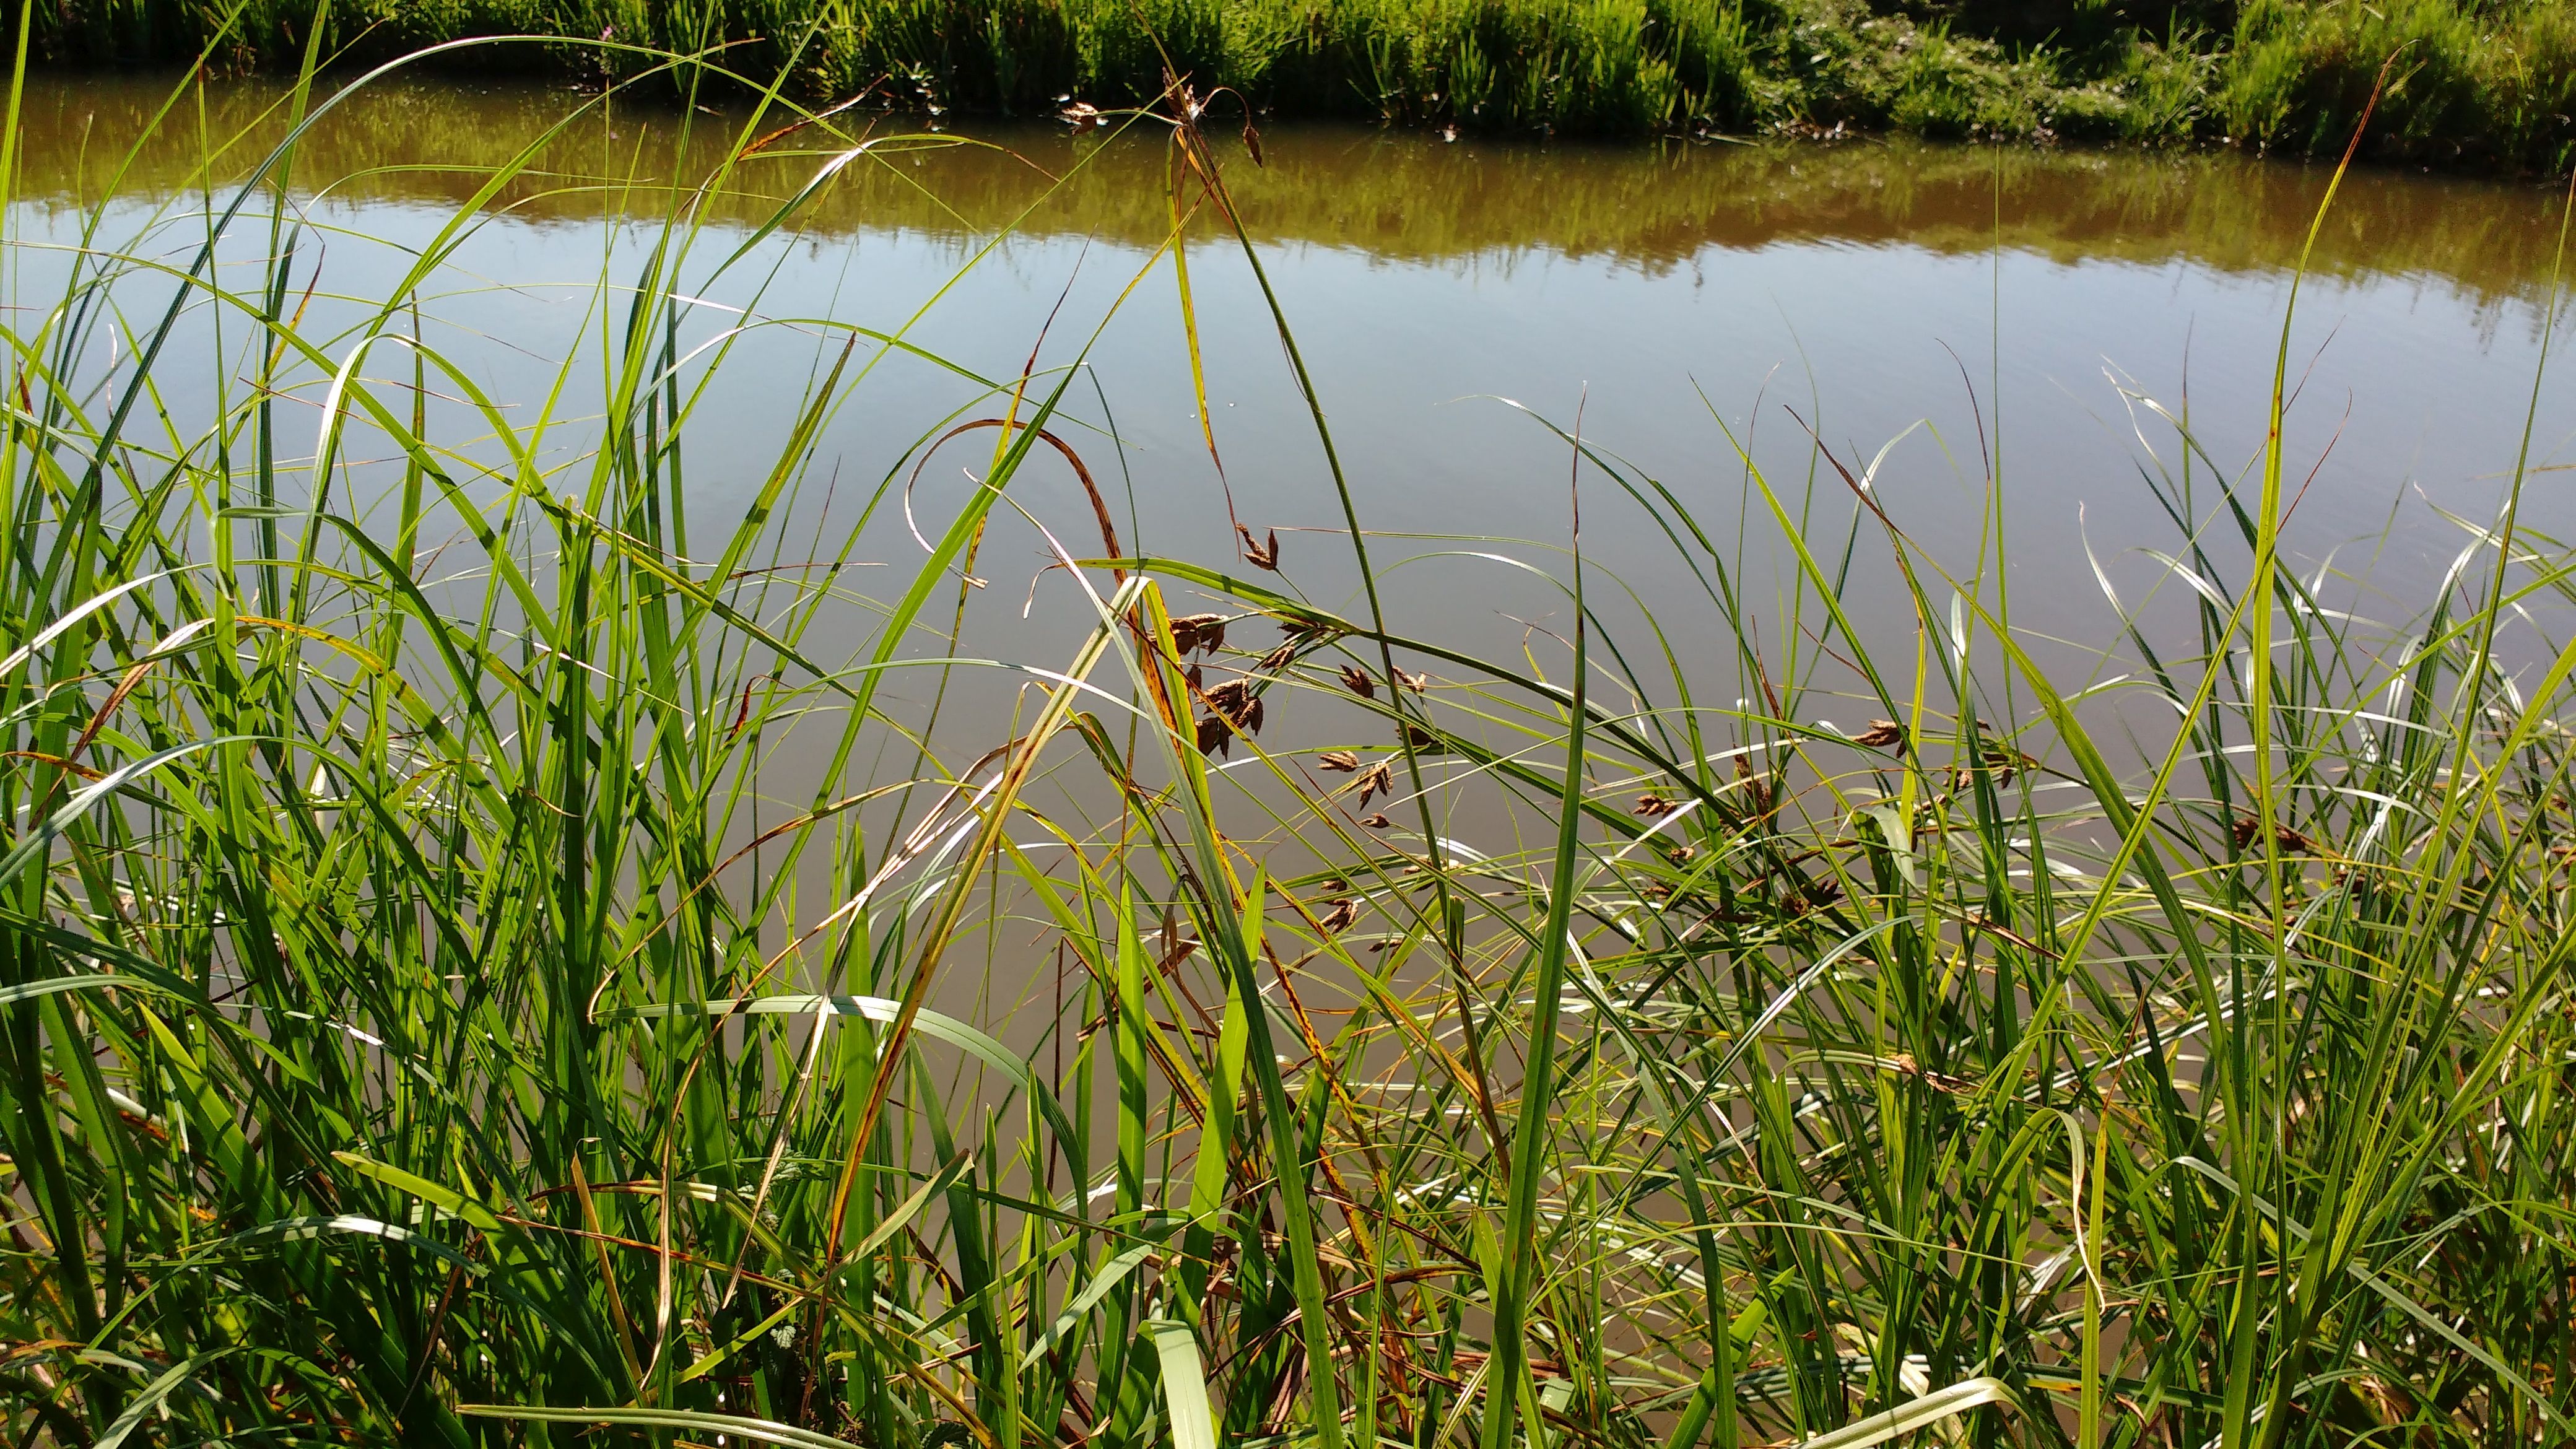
1215	738
1263	555
1379	780
2288	838
1235	700
1757	791
1194	632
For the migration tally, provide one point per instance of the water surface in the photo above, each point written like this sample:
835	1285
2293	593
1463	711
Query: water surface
1995	313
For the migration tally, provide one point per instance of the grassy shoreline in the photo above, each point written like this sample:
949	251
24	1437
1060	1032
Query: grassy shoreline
2485	84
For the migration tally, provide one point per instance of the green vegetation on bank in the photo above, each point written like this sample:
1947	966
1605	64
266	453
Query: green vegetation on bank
491	945
2477	82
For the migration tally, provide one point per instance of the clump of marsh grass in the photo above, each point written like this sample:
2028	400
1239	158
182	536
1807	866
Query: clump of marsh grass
409	1031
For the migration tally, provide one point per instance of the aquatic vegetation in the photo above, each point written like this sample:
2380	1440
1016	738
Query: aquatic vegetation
2488	84
488	954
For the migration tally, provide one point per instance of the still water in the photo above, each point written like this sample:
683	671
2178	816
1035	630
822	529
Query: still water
2003	314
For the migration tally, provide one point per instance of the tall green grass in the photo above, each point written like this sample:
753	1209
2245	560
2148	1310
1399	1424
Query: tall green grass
2487	83
433	1010
2481	83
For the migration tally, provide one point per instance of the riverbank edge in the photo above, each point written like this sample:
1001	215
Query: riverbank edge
2492	91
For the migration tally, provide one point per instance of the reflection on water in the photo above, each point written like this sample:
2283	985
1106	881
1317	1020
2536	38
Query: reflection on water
1398	195
2008	313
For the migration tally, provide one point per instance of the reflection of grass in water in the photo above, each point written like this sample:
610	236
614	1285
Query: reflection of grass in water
422	1019
1396	194
2484	82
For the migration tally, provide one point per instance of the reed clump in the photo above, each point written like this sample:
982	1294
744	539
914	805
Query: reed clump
432	1010
2476	82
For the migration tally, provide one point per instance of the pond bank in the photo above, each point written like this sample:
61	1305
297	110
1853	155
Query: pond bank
2480	86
